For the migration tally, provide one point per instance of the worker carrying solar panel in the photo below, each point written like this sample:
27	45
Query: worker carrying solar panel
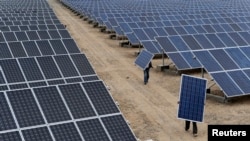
146	72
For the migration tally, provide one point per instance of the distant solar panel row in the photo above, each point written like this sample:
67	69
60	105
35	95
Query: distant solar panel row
34	35
37	48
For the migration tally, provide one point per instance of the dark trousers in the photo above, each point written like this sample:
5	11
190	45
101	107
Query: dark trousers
187	125
146	75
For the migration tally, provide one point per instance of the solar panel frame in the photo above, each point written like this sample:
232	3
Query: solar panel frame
192	98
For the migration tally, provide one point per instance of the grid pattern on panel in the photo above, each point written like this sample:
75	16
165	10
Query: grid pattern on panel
100	97
117	128
92	130
52	104
192	98
25	108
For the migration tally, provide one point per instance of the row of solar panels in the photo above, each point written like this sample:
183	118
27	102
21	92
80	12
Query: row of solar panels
34	35
14	28
49	90
38	48
29	22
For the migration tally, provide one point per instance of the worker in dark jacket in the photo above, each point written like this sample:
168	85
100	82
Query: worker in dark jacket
146	73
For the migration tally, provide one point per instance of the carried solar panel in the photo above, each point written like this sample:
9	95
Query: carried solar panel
192	98
143	59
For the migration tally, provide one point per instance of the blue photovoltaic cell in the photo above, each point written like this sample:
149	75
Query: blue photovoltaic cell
18	86
236	37
10	136
37	134
71	46
58	47
54	34
21	36
241	80
151	33
90	78
100	97
118	128
92	130
66	65
9	36
30	69
218	28
207	61
52	105
4	51
238	56
246	36
179	61
192	98
6	121
65	132
226	39
191	42
178	43
192	61
246	51
209	28
203	41
64	34
150	46
45	47
49	67
31	48
140	34
77	101
43	35
17	49
11	71
170	31
166	44
215	40
190	29
160	31
226	83
82	64
180	30
199	29
2	81
223	59
32	35
132	38
143	59
25	108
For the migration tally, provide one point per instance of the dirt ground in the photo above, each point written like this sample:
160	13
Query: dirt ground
151	109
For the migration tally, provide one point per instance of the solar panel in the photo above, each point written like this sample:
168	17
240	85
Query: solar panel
25	108
38	134
31	48
71	46
43	34
58	46
17	49
151	46
48	67
4	51
92	130
11	136
100	97
143	59
66	66
45	47
192	98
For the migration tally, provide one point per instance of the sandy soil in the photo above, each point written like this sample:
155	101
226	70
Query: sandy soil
151	109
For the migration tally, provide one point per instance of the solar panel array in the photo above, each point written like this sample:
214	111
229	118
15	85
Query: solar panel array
192	98
209	34
48	88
